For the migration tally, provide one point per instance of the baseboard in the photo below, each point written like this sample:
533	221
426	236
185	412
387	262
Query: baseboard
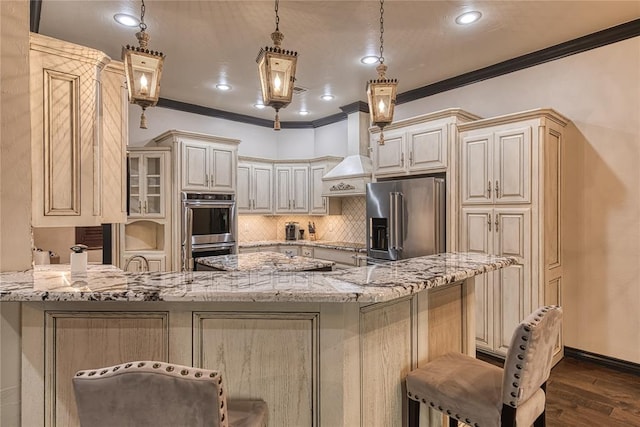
606	361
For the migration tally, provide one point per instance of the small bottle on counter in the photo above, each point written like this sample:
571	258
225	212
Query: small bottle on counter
79	259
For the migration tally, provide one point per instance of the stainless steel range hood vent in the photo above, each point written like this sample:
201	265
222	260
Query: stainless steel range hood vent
351	176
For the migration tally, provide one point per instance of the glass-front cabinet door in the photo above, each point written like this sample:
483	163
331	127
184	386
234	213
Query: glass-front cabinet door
135	193
146	185
153	183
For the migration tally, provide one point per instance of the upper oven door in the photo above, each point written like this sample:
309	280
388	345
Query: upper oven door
209	222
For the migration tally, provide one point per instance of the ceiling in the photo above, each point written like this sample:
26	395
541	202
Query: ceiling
210	42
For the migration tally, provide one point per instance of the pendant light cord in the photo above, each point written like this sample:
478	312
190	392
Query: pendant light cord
277	17
381	31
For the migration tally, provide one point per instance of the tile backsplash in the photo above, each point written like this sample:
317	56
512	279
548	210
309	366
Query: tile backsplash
347	227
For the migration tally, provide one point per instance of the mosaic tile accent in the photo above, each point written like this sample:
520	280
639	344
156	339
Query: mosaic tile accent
348	227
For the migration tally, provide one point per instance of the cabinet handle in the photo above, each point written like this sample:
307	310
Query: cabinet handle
324	203
252	205
402	158
497	190
489	222
289	204
140	206
489	188
411	158
497	225
144	208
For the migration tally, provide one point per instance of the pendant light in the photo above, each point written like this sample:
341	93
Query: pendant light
277	70
143	68
381	92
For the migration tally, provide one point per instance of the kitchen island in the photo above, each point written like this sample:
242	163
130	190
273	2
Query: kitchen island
263	261
322	349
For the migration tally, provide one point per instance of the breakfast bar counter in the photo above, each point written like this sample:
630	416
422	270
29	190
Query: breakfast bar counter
321	348
263	261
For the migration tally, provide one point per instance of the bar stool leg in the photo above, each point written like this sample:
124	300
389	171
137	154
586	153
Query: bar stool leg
414	413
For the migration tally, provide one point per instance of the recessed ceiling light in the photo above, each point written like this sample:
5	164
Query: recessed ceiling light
468	17
303	112
259	106
223	86
127	20
370	59
327	97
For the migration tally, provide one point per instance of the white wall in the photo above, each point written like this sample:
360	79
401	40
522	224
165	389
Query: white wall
294	143
599	91
331	140
257	141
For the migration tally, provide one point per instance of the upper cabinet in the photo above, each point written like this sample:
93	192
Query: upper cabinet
205	163
292	188
148	183
319	205
418	145
208	167
496	166
78	135
255	187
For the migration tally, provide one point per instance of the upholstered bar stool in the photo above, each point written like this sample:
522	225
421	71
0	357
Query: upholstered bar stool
483	395
148	393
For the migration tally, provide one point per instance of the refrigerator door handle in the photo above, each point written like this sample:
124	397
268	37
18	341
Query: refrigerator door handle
397	215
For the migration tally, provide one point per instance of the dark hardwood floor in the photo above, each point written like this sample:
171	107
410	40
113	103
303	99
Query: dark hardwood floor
581	393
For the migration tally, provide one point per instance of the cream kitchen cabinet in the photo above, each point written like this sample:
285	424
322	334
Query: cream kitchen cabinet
418	145
320	205
511	192
292	188
148	182
78	135
496	166
255	187
208	167
507	232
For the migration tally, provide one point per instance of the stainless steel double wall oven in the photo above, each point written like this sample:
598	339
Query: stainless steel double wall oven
208	226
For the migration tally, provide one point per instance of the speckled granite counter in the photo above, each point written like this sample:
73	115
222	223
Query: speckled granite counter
342	246
375	283
268	261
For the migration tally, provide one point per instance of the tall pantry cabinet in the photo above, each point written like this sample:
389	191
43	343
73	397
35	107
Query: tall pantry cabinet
510	193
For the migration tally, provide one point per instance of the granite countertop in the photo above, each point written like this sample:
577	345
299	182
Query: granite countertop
375	283
343	246
264	261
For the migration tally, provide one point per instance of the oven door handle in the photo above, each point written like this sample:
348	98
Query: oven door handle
214	246
209	204
188	259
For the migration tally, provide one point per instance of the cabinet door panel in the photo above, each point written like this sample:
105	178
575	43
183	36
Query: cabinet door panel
484	310
513	232
300	190
154	190
194	170
510	294
135	188
476	169
476	233
513	166
428	149
318	203
243	195
283	192
389	157
262	189
222	170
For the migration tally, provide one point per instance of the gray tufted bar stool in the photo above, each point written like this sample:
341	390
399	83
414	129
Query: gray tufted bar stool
482	395
149	393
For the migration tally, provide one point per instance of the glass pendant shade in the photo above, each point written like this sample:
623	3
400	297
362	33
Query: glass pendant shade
143	69
381	94
277	69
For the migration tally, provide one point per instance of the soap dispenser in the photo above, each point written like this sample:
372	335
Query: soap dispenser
79	259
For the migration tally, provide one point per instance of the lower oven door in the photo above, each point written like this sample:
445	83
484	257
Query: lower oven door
201	251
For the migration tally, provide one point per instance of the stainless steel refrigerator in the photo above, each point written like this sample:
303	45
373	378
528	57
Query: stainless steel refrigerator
405	218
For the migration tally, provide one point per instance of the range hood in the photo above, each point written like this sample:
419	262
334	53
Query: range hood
351	176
